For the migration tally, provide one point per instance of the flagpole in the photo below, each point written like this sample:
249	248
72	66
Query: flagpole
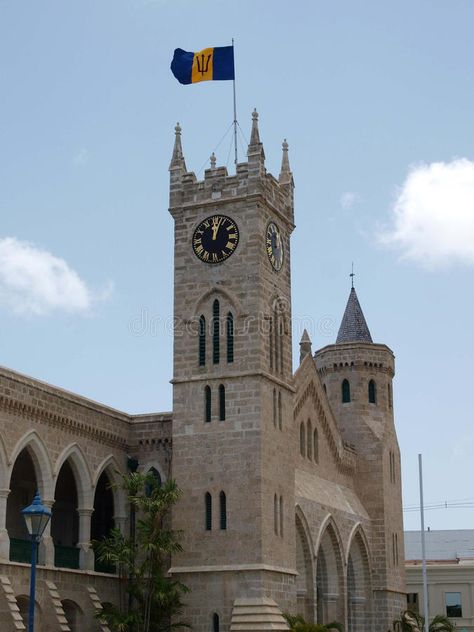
423	547
235	113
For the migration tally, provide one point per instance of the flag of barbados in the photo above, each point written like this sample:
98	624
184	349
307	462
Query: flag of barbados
210	64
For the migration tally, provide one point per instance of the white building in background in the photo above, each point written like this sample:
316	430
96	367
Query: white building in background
450	572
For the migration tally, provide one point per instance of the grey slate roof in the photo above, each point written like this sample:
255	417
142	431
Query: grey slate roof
450	544
353	326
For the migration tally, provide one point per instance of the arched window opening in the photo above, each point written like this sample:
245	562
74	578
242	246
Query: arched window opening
302	440
208	511
23	485
276	341
309	440
202	341
223	511
275	514
24	605
315	446
346	392
270	341
102	520
149	487
325	389
73	615
207	404
389	393
274	408
215	622
215	332
221	402
280	419
372	392
230	337
281	516
281	346
65	520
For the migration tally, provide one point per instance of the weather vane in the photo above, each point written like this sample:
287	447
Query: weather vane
352	275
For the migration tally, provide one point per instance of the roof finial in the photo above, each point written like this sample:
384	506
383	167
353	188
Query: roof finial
177	159
254	136
352	275
213	161
285	171
305	346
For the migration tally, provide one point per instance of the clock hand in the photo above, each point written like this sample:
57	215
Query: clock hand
215	228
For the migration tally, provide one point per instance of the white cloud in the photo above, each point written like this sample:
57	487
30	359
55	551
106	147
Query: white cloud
433	215
82	157
348	199
33	281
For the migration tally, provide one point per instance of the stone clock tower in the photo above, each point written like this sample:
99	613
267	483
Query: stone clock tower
233	391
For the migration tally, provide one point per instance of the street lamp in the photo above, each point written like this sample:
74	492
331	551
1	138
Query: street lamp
36	517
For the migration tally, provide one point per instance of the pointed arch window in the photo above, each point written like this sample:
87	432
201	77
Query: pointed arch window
302	440
372	392
202	341
215	332
281	331
208	511
281	515
270	341
274	408
221	402
215	622
280	416
207	404
223	511
275	514
315	446
230	337
309	440
346	392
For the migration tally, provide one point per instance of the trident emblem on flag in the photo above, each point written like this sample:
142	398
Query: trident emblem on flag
203	63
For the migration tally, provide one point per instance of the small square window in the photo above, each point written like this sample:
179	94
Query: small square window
453	604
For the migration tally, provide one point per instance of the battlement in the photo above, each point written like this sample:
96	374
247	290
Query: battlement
355	356
251	179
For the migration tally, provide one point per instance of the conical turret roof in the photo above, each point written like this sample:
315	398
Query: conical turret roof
353	326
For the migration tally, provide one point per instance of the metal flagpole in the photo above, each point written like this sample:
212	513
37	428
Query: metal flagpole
423	549
235	112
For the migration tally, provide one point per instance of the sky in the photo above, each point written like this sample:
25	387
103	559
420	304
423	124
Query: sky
376	101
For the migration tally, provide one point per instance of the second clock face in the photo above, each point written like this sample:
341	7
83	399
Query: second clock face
274	246
215	239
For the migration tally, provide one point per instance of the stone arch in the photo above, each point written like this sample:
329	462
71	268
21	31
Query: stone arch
329	574
113	470
73	614
304	567
23	602
359	591
153	463
80	468
32	442
230	298
3	465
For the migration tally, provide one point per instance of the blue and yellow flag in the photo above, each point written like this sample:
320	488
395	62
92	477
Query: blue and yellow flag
209	64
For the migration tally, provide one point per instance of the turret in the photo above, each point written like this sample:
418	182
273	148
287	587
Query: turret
357	375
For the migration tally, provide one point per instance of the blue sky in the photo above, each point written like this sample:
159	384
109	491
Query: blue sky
375	99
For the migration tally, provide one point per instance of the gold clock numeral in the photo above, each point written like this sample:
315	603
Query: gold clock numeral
205	256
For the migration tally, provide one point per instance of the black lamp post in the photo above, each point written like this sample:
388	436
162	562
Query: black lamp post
36	517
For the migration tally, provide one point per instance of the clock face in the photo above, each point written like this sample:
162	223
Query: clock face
274	246
215	239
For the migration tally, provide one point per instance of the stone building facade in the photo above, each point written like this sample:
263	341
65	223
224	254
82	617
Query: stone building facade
291	480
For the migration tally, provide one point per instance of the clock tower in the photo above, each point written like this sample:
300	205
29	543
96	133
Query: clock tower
233	455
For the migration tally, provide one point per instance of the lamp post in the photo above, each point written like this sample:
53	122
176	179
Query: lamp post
36	517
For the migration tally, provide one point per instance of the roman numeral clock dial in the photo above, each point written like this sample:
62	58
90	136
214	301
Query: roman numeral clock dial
274	246
215	239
